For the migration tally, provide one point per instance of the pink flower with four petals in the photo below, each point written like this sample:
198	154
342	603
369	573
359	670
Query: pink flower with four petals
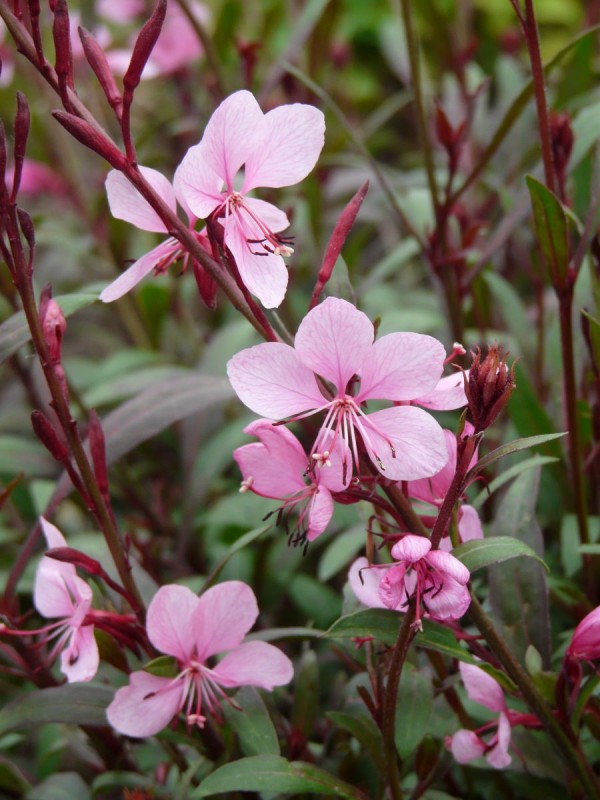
193	629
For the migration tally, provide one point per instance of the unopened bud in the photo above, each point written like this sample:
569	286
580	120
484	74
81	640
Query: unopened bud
48	436
489	386
562	138
54	326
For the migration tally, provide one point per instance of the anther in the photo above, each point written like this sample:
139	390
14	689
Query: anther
246	484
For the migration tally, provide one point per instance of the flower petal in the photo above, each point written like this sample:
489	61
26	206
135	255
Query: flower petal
169	621
447	395
80	659
448	602
447	564
224	615
146	705
418	441
127	203
276	465
364	581
586	637
337	476
401	366
255	664
320	512
271	380
199	185
293	137
51	595
334	340
481	687
264	274
498	756
272	217
469	524
138	271
393	588
411	548
466	746
434	489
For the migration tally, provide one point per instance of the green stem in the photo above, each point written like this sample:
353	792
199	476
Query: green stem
562	734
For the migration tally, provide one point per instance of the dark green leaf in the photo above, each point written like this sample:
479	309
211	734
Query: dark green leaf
77	703
163	667
552	229
252	723
508	475
413	709
380	623
507	449
63	786
441	639
480	553
364	731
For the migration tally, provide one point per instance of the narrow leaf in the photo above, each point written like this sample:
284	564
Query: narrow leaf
78	703
413	710
480	553
508	449
252	723
508	475
552	229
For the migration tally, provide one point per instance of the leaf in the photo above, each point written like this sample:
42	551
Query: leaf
518	588
480	553
316	600
441	639
239	544
14	332
512	309
380	623
340	552
552	229
507	449
274	774
364	731
508	475
413	709
252	723
77	703
62	786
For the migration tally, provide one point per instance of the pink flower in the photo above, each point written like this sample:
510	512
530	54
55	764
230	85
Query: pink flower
275	149
192	629
335	341
59	592
278	467
447	395
126	203
585	643
433	577
468	745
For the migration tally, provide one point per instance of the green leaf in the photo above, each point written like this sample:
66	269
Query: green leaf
512	308
413	709
552	229
316	600
480	553
274	774
239	544
380	623
163	667
252	723
14	332
507	449
441	639
364	731
63	786
340	552
76	703
508	475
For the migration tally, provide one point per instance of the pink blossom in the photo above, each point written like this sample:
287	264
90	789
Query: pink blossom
468	745
448	395
192	629
335	341
275	149
126	203
59	592
37	179
278	467
585	643
433	577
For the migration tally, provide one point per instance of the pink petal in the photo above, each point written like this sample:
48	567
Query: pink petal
401	366
449	602
264	274
447	564
434	489
320	512
293	137
57	590
466	746
255	664
276	465
393	589
469	524
411	548
169	621
336	477
224	615
128	204
334	340
198	184
586	637
80	659
138	271
146	705
234	132
447	395
481	687
271	216
54	538
418	441
272	381
364	582
498	756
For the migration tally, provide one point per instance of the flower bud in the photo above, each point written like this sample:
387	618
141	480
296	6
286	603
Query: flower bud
54	326
562	139
585	643
489	386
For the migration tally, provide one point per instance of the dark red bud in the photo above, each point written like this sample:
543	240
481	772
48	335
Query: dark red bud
48	436
144	44
489	386
92	138
3	159
98	452
54	326
22	120
97	61
61	31
68	555
562	139
207	287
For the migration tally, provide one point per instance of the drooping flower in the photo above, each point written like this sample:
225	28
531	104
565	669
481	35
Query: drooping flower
278	467
127	203
432	577
335	342
193	629
585	643
59	592
275	149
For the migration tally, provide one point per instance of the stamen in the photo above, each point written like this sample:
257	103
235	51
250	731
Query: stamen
246	484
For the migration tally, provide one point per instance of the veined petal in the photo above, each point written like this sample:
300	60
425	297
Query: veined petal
224	615
232	135
364	582
271	380
271	216
434	489
255	664
276	464
80	659
447	395
138	271
393	590
169	621
586	637
320	512
146	705
334	340
447	564
401	366
498	756
198	183
482	688
418	441
449	602
335	477
292	140
411	548
127	203
469	524
264	274
466	746
51	595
